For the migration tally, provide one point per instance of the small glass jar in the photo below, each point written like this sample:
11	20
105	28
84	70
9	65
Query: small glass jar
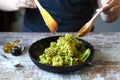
8	47
14	48
17	50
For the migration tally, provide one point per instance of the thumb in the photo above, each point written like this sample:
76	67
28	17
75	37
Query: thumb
108	5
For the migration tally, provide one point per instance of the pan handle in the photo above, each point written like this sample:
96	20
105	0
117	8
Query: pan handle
89	64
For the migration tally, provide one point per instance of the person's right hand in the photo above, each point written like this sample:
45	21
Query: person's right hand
14	5
111	10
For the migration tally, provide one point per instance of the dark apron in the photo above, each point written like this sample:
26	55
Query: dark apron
70	15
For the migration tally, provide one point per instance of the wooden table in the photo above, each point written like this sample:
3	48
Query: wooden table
106	59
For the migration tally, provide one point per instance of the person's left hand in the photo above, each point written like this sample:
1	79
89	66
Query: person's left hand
14	5
111	8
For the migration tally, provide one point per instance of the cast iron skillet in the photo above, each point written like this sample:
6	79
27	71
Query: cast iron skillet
38	47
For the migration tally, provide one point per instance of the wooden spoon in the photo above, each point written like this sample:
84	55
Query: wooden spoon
88	26
49	21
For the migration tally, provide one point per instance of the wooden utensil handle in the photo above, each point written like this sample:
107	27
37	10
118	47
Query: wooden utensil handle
98	12
38	5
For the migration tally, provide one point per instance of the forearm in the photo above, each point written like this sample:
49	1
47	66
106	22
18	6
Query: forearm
7	5
108	15
14	5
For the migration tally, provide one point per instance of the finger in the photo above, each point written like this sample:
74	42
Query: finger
108	1
31	3
115	8
26	4
109	5
113	11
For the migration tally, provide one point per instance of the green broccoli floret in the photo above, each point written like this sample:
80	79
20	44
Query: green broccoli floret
68	61
66	51
57	61
45	59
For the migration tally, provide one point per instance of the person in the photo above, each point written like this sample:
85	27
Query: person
70	15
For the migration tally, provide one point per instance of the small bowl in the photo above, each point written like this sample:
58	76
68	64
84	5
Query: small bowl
39	46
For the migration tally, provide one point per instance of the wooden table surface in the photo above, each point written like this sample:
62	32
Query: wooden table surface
106	60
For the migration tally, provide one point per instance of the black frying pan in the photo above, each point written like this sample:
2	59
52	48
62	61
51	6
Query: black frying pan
38	47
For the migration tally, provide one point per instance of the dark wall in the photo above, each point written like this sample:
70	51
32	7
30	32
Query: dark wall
5	21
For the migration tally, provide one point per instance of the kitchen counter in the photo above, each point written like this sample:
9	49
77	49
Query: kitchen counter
106	60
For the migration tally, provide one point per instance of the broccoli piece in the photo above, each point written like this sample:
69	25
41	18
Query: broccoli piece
57	61
68	61
45	59
66	51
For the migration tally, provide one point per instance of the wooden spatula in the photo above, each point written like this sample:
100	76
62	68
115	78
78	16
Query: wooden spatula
88	26
49	21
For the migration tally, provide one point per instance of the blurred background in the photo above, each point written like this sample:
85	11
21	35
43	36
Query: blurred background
13	22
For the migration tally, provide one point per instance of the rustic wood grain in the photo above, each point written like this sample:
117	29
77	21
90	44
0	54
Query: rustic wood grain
106	59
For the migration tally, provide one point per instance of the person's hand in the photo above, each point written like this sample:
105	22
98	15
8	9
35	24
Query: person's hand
111	9
14	5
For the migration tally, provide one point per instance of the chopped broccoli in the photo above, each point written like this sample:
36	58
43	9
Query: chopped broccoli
57	61
66	51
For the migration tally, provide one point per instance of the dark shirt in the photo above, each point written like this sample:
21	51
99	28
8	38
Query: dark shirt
70	15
